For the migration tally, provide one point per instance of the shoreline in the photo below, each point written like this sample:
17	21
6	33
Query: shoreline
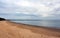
36	25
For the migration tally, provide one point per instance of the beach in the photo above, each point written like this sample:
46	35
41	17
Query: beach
10	29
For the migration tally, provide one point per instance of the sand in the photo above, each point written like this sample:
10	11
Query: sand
15	30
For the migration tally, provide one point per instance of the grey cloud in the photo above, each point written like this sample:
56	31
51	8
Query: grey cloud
11	8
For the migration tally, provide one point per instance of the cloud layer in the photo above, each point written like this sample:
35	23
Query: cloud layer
41	8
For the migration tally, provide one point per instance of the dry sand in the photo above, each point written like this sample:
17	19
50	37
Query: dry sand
14	30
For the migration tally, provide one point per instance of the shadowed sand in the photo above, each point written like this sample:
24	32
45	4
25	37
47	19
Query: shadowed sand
14	30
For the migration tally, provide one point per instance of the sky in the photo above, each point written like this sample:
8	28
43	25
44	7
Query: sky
30	9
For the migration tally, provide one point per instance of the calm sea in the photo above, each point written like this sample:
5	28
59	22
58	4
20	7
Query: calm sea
45	23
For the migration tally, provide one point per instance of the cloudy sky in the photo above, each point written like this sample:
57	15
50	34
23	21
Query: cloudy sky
32	9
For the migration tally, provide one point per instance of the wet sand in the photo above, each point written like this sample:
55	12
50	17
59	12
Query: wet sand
10	29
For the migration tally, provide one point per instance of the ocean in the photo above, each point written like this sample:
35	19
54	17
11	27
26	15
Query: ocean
45	23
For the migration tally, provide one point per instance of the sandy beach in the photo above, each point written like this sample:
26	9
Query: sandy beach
10	29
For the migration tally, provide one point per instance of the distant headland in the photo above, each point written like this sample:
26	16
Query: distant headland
2	19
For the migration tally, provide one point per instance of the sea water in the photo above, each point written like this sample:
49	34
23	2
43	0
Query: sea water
45	23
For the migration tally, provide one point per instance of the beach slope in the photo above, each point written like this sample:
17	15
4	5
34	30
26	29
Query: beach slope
17	30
